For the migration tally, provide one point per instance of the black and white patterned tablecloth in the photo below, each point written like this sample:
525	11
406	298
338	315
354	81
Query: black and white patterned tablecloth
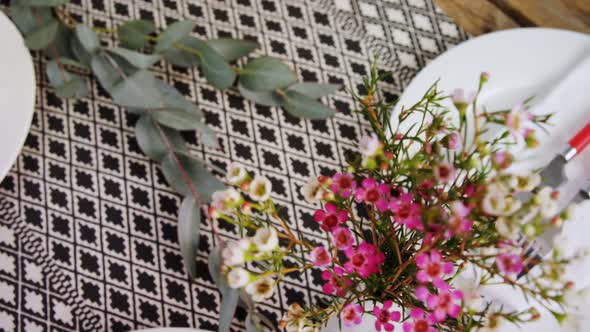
95	248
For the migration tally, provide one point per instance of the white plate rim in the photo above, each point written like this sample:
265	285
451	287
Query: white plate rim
26	106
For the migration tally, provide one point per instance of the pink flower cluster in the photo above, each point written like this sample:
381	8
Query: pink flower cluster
364	260
444	303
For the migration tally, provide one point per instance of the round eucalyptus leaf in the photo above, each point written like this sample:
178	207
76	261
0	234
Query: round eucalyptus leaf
185	52
315	90
43	3
137	59
207	136
138	91
267	98
105	72
23	18
266	74
189	226
71	63
43	36
215	69
66	84
185	173
133	34
177	119
232	49
150	140
175	100
302	106
76	87
173	34
88	38
79	52
61	47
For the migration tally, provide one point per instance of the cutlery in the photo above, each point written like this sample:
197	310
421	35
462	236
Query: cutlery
553	175
543	245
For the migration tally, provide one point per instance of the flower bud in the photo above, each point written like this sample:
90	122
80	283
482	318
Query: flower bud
535	315
556	222
452	141
484	77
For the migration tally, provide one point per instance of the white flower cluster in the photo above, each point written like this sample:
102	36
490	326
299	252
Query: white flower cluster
236	254
294	320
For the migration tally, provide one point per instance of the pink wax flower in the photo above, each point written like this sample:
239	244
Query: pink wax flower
373	193
406	212
342	238
336	282
352	314
320	256
343	184
453	141
330	218
445	303
364	260
385	316
518	119
458	222
445	172
432	267
419	323
509	263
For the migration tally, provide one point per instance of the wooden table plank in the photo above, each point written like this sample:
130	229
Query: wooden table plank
481	16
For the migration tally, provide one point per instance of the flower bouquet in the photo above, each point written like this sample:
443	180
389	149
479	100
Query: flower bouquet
416	225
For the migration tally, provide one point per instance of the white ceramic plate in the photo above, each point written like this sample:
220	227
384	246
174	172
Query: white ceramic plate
524	63
17	93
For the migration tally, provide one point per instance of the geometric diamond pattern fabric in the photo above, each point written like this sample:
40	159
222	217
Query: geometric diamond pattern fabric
104	219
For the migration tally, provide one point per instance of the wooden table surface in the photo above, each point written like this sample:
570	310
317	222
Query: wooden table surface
481	16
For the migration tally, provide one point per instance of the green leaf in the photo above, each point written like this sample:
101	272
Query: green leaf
266	74
138	91
139	60
76	87
62	43
66	84
193	175
88	38
215	69
232	49
80	53
23	18
253	323
177	119
228	307
315	90
175	100
70	62
189	226
207	136
214	264
133	34
267	98
150	140
173	34
42	37
180	54
304	107
230	296
43	3
107	74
